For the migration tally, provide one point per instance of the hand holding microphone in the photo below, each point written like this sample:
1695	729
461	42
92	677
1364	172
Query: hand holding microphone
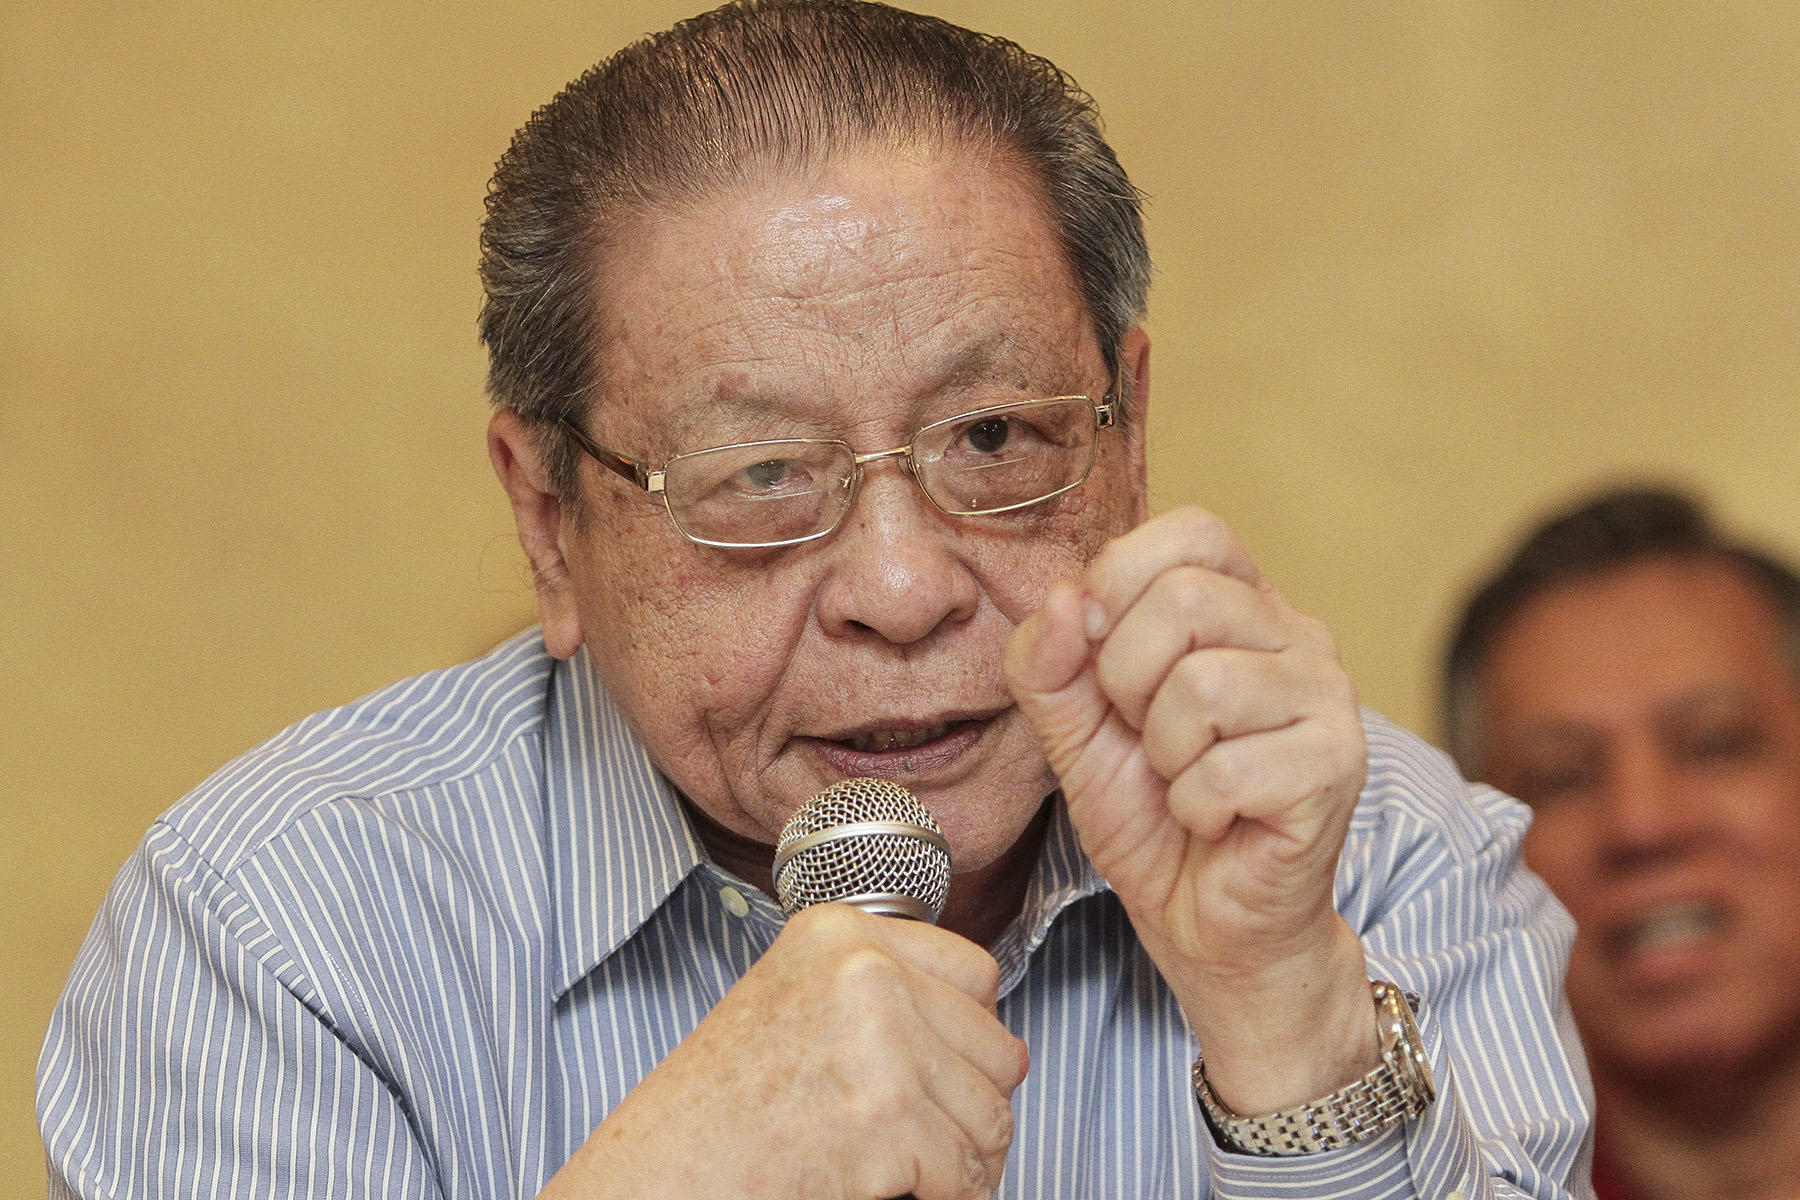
858	1058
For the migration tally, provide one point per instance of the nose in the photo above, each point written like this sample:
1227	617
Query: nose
1649	815
895	565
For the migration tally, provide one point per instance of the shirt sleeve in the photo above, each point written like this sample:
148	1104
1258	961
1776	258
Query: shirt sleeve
187	1057
1432	880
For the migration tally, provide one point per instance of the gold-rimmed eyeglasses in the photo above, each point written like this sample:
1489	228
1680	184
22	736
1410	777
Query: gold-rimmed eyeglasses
760	495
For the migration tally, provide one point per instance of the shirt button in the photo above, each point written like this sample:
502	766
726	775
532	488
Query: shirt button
737	906
1455	1196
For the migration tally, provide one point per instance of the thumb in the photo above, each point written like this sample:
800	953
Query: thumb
1049	666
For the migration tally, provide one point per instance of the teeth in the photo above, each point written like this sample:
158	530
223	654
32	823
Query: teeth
1670	926
882	740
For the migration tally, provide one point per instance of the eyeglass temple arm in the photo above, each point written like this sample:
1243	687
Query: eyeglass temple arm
1114	400
606	458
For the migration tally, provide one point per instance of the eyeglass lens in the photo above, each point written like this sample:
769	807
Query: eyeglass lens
771	493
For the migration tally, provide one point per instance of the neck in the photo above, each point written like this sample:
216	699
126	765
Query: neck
982	903
1717	1139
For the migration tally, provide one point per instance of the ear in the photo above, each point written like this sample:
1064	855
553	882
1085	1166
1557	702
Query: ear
1134	353
513	449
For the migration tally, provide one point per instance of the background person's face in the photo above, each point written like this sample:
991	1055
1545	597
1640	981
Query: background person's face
863	301
1651	718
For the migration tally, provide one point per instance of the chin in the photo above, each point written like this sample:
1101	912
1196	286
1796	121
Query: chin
1716	1037
978	840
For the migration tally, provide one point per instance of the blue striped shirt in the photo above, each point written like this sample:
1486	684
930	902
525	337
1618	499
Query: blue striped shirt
419	947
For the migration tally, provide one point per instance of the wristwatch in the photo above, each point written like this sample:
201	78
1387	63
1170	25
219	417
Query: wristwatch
1396	1091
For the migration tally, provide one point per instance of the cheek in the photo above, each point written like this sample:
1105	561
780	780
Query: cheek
1017	565
1589	987
1557	850
690	653
1772	845
1763	809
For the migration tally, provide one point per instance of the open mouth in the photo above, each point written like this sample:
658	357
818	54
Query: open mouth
882	741
902	749
1669	927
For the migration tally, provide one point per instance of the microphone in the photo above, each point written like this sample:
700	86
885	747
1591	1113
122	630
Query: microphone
867	842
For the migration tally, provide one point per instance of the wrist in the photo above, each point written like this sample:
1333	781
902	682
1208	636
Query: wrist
1396	1090
1288	1032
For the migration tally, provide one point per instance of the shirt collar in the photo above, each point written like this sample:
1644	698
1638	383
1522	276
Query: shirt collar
1063	876
621	844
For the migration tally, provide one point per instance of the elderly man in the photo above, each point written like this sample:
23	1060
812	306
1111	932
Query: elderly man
1634	675
821	398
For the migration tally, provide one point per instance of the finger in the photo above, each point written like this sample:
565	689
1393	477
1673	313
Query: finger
1214	695
1046	664
952	984
1269	775
1184	609
908	1137
983	1119
936	1124
939	954
930	1159
944	1072
1183	537
971	1032
897	1014
875	966
1046	653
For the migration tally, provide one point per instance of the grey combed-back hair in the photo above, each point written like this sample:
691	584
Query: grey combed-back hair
1608	531
764	84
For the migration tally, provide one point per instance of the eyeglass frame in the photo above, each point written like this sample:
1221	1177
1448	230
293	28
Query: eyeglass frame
653	480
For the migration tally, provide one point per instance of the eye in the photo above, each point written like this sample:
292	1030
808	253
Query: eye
771	473
1721	744
988	435
1546	783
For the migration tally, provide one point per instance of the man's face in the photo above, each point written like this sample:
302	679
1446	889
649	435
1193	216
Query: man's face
867	299
1652	719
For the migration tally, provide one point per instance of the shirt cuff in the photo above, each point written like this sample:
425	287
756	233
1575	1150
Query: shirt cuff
1432	1155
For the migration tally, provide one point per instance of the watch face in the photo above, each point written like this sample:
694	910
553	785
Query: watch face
1402	1046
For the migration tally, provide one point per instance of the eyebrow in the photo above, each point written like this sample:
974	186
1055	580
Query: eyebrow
1539	737
969	365
1559	732
1704	698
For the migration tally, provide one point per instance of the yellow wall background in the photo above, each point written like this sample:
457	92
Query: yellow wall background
1424	267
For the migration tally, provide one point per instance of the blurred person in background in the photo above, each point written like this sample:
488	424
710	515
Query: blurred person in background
1632	672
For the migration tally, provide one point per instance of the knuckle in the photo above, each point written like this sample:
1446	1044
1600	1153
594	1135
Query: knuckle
828	923
974	1172
999	1134
1216	775
1171	748
1195	804
877	1099
1183	592
978	1176
1196	525
985	974
865	970
1200	680
1016	1070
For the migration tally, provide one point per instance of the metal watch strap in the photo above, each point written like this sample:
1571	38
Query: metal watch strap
1395	1091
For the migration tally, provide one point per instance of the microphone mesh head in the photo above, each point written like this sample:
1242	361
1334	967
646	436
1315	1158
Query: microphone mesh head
866	842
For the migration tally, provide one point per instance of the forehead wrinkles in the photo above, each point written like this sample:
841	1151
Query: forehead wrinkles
901	260
885	257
